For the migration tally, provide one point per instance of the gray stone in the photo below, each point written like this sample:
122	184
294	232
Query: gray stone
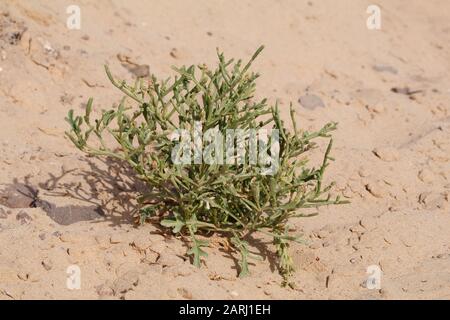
23	217
18	195
139	70
384	68
311	101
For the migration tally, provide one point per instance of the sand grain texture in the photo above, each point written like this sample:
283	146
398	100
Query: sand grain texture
389	90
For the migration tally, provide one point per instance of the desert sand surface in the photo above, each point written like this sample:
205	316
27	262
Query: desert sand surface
389	90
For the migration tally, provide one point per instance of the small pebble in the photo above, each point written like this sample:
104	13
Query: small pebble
311	101
387	154
140	71
384	68
174	53
125	282
375	190
23	217
47	264
426	175
184	293
104	290
234	293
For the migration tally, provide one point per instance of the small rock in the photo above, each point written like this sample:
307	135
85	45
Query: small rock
367	222
67	99
174	53
369	97
104	290
103	241
28	276
23	276
142	242
48	47
115	239
322	233
57	234
159	246
388	154
3	213
375	189
405	90
267	292
311	101
47	264
23	217
71	213
140	71
125	282
154	269
315	245
172	293
76	255
184	293
234	293
363	172
377	108
151	256
426	175
384	68
433	200
70	237
18	196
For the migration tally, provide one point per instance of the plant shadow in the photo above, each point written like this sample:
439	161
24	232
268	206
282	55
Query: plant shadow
108	185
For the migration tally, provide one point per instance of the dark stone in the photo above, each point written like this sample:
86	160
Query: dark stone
23	217
18	195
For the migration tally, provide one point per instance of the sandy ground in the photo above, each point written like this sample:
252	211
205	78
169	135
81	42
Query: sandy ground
389	89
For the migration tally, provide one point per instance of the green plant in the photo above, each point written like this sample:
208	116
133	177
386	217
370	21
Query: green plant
200	199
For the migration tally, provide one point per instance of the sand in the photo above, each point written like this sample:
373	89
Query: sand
389	89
